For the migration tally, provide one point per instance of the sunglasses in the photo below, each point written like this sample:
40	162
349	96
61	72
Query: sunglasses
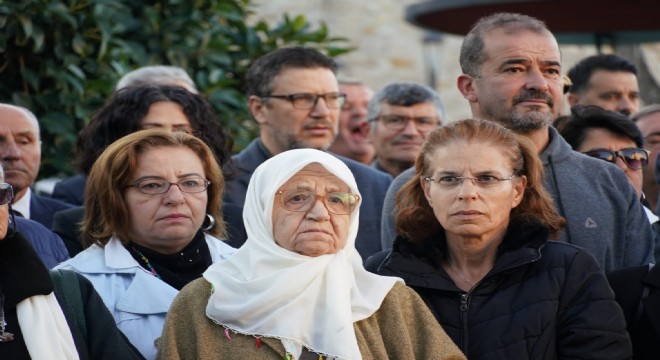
6	193
634	158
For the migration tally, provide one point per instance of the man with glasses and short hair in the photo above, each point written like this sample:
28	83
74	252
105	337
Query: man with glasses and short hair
612	137
294	96
400	116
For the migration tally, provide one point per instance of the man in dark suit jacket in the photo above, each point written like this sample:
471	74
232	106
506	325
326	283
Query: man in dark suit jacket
20	154
294	96
637	291
71	190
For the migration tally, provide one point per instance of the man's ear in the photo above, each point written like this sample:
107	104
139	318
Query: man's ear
257	106
466	86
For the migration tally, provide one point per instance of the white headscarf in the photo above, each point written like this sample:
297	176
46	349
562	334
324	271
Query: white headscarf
266	290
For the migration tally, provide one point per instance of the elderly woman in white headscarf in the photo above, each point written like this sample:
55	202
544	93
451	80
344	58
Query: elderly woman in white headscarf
297	289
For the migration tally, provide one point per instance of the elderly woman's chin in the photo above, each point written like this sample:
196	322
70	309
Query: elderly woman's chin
313	244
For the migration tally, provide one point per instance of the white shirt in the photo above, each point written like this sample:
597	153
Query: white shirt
23	204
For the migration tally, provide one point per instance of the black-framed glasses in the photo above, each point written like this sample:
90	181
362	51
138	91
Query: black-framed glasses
481	181
302	201
634	158
399	122
333	100
154	186
6	193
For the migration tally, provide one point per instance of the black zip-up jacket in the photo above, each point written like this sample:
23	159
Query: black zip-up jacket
542	299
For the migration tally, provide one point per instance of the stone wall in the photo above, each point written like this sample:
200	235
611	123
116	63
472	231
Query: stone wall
390	49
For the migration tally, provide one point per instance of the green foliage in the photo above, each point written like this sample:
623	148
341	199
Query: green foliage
62	58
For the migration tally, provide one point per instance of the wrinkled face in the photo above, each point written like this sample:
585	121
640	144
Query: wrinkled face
650	127
166	222
20	148
317	231
402	146
599	139
611	90
520	84
284	127
353	129
166	115
468	211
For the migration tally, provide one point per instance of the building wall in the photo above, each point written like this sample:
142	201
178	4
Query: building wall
390	49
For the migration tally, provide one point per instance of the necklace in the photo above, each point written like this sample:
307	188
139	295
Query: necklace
4	336
455	272
146	261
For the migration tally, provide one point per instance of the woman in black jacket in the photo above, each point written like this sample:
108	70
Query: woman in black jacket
36	321
474	224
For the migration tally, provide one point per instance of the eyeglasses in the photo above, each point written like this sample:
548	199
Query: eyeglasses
160	186
398	122
6	193
308	101
302	201
482	181
634	158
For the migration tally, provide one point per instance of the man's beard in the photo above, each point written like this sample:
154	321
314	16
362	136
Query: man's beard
526	122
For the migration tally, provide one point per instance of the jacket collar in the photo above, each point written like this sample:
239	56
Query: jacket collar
557	149
420	264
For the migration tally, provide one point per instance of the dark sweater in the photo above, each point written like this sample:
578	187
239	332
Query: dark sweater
22	275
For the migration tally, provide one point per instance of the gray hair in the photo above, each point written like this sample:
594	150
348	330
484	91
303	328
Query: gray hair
28	114
472	54
157	75
403	94
646	111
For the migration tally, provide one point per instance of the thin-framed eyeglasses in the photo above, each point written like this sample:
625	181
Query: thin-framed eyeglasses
155	186
634	158
6	193
333	100
338	203
481	181
399	122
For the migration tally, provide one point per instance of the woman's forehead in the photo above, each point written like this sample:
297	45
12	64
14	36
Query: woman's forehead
316	172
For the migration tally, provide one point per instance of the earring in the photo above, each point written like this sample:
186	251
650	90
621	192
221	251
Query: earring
211	223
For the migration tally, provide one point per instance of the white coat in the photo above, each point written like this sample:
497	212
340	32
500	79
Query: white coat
137	300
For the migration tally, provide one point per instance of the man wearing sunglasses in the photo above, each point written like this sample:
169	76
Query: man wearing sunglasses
610	136
294	96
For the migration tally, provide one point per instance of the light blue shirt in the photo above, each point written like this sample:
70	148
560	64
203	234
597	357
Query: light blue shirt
137	300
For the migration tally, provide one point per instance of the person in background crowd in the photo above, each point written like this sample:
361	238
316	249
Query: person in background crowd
297	288
474	224
152	222
352	132
611	136
605	80
157	75
20	153
647	120
143	107
400	116
36	320
294	97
